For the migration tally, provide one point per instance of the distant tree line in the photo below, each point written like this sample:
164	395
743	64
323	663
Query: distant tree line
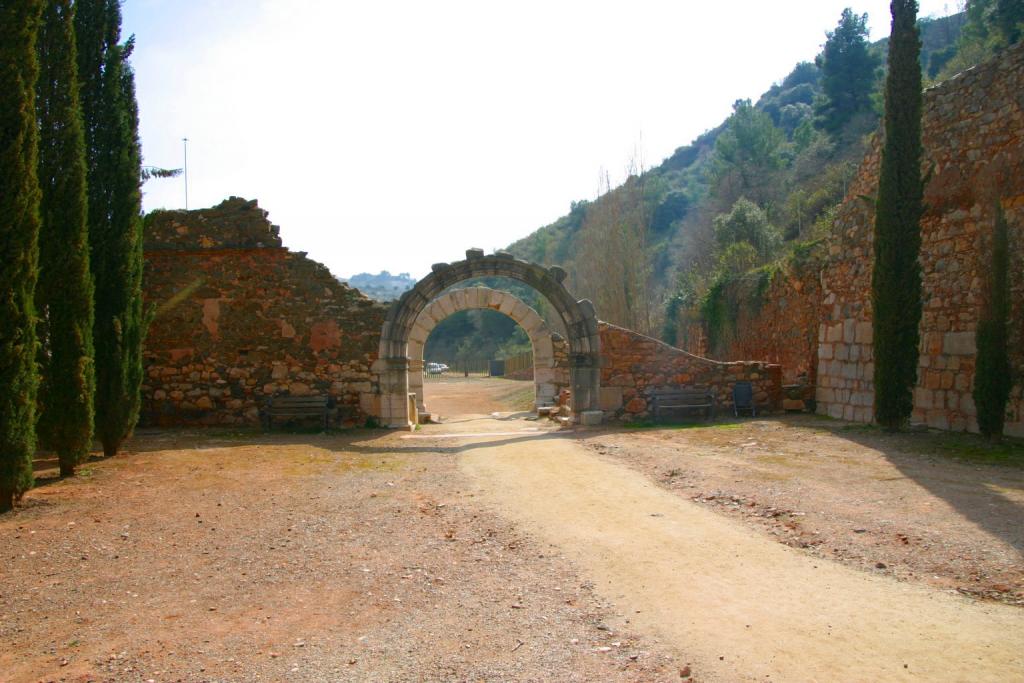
71	316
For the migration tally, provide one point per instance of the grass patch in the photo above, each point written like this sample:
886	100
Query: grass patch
971	448
964	447
860	428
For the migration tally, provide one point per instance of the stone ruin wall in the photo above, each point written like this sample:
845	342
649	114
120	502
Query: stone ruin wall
973	133
239	318
634	366
778	325
974	154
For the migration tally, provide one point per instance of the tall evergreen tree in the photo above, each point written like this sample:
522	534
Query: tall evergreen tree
848	72
64	293
896	279
115	206
19	235
992	380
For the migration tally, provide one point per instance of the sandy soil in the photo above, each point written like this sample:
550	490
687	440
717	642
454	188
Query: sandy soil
449	397
742	606
898	505
527	553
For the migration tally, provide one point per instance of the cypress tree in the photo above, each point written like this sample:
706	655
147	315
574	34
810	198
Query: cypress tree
19	235
992	380
115	216
896	279
64	294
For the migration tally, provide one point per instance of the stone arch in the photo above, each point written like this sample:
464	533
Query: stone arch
578	318
510	305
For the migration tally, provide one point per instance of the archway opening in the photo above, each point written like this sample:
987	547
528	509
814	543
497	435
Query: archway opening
480	329
404	328
478	362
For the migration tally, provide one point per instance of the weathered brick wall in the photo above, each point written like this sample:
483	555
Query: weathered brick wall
777	323
239	318
633	366
972	132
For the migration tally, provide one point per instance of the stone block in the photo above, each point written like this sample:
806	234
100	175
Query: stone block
959	344
864	333
520	312
419	333
636	405
938	419
534	326
962	382
923	398
543	373
952	400
591	418
842	352
849	330
834	332
610	398
507	304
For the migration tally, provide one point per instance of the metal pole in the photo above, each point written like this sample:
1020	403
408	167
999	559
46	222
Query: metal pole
185	140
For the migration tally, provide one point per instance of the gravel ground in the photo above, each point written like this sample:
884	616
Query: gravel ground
219	557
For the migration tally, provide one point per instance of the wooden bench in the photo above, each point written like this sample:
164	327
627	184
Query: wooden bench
669	400
297	407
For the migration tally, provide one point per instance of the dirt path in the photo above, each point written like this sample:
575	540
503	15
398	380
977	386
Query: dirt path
484	548
741	606
219	556
457	396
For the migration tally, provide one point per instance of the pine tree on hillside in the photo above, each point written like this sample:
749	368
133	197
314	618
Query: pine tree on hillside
19	234
848	72
992	380
115	205
1010	19
64	293
896	279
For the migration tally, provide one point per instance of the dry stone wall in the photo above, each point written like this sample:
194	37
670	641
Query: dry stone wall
634	367
777	322
973	133
238	319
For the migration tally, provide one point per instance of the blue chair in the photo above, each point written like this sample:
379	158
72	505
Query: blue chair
743	398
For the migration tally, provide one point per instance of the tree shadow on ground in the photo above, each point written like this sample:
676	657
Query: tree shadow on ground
964	470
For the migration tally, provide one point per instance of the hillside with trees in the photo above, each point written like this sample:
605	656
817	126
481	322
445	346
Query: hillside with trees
658	253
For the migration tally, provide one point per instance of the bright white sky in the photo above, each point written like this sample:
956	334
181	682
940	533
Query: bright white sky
392	135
